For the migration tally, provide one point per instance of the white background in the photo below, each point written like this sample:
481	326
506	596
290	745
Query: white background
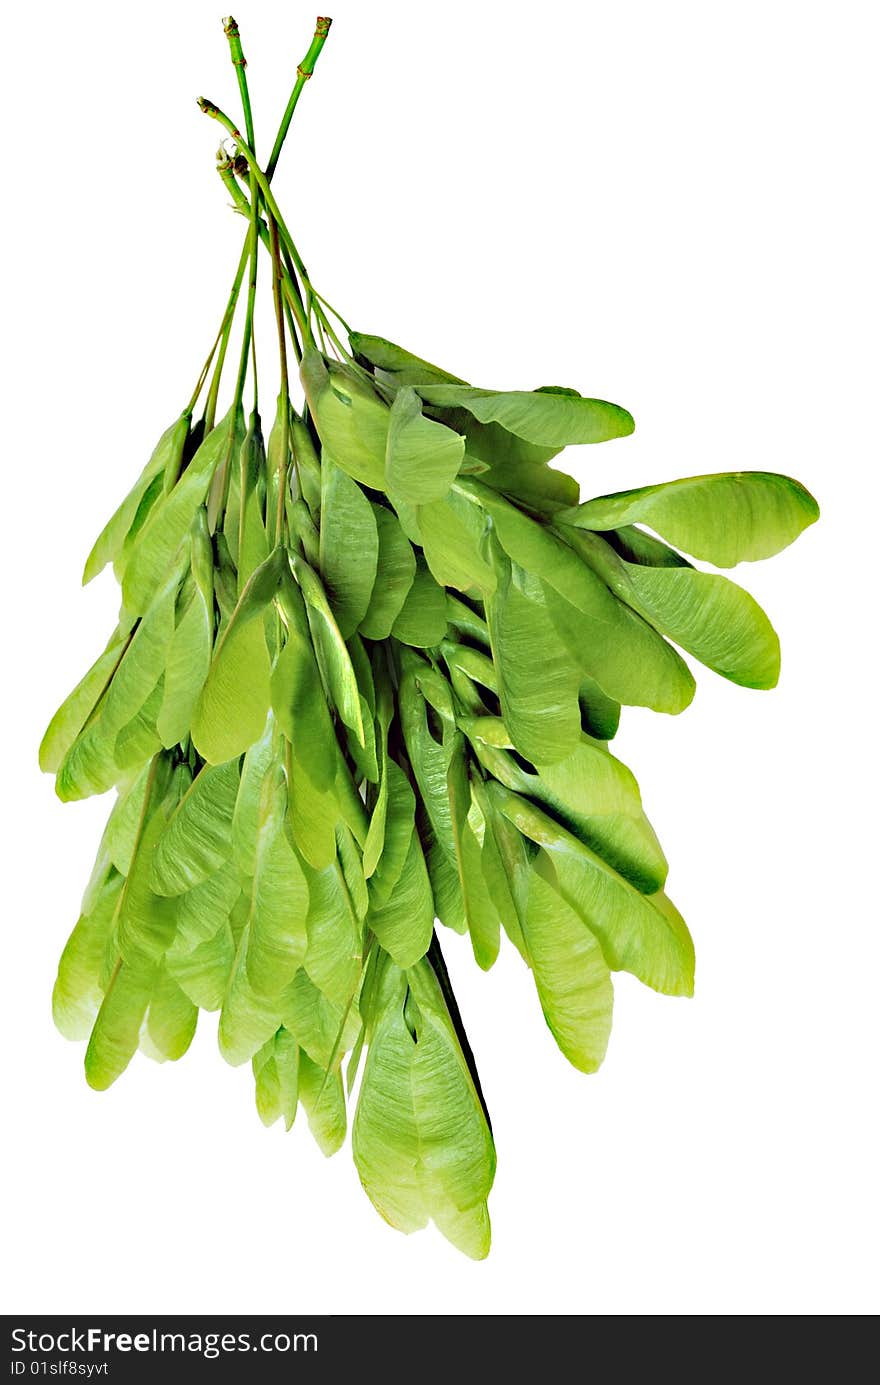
671	206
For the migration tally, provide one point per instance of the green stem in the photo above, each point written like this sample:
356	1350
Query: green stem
230	29
328	328
209	108
225	329
194	397
290	272
303	73
254	369
285	383
246	346
252	243
335	311
291	327
290	286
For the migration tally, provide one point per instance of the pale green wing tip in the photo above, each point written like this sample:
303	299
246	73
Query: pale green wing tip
68	795
50	755
627	423
765	676
91	570
269	1118
588	1066
681	985
485	961
587	1063
764	679
150	1050
680	703
407	959
47	758
617	422
685	988
764	682
75	1028
676	978
228	1051
469	1231
770	681
809	514
327	1144
211	754
98	1078
806	500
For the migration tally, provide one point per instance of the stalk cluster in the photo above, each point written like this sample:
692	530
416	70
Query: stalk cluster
364	678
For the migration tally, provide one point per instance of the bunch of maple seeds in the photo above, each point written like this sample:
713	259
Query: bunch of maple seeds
364	678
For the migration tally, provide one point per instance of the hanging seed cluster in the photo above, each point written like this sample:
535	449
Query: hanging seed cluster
364	679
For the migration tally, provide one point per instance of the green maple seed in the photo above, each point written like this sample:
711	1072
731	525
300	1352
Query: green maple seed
363	680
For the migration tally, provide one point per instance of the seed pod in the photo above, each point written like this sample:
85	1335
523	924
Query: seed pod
364	679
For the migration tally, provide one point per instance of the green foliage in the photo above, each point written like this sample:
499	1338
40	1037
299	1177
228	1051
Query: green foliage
364	679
